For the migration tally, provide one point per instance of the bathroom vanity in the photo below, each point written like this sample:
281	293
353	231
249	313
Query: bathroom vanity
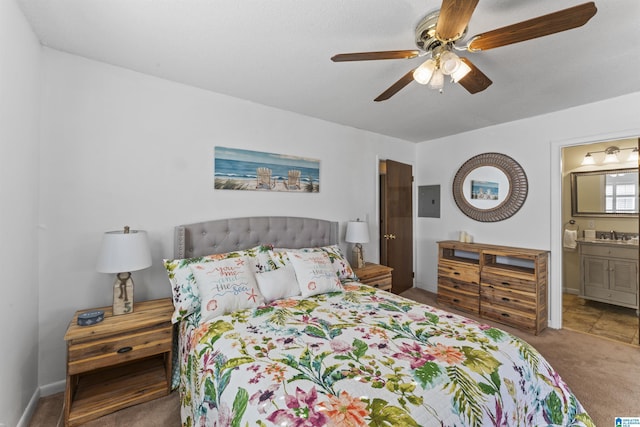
609	271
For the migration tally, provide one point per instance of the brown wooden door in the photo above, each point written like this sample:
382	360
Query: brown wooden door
396	225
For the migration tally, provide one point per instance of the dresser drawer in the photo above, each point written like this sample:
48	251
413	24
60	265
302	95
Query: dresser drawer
509	282
112	350
525	320
459	301
458	294
465	272
506	297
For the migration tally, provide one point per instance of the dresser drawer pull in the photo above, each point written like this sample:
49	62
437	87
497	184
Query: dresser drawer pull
456	286
506	283
125	349
457	273
456	300
504	314
506	299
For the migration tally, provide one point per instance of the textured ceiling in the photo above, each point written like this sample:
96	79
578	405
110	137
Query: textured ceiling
277	53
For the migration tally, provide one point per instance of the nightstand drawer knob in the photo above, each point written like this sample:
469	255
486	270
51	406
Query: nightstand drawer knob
125	349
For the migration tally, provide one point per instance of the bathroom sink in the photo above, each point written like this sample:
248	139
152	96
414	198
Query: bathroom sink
613	242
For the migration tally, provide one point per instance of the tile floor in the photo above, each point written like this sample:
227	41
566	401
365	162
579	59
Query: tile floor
596	318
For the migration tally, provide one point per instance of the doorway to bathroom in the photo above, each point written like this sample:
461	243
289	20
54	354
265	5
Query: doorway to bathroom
600	294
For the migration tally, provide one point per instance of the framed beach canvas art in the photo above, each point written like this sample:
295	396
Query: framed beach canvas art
237	169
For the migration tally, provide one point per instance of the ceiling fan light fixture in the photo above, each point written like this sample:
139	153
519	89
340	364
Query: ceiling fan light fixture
449	63
423	73
460	72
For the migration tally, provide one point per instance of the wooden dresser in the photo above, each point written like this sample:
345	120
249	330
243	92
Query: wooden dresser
501	283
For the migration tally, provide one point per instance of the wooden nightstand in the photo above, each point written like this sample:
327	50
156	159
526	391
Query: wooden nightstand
376	275
119	362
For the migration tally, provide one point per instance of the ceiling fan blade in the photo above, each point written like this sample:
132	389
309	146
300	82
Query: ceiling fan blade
475	81
368	56
454	17
395	88
545	25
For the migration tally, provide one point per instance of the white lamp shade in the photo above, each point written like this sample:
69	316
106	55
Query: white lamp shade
437	80
588	160
124	252
357	232
423	73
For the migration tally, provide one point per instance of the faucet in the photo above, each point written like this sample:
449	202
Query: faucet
613	235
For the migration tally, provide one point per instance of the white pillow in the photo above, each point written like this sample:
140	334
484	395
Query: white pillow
226	286
278	284
315	273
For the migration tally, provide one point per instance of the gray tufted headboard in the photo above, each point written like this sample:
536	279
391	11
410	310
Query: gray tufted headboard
225	235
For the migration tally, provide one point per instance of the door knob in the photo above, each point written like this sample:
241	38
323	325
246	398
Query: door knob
389	236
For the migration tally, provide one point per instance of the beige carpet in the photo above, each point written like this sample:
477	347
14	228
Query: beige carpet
604	375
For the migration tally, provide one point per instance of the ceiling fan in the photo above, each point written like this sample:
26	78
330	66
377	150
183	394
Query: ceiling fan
438	35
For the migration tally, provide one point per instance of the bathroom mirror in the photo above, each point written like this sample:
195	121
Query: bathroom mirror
490	187
606	193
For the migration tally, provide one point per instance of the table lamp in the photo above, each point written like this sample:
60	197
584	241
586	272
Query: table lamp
123	252
358	233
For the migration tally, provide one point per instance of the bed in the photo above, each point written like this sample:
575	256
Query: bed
321	351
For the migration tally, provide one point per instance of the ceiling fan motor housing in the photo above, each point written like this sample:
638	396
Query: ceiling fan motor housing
426	33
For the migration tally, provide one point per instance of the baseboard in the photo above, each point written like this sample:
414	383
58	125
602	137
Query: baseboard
570	291
44	390
53	388
29	410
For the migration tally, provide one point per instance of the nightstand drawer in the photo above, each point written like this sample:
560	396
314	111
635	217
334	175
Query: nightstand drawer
113	350
380	281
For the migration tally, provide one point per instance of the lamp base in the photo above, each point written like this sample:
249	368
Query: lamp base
123	294
358	256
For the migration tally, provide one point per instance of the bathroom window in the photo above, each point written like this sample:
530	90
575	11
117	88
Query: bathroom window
620	193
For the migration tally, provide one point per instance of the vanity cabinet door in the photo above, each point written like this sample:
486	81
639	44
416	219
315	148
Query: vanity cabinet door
623	276
610	280
596	275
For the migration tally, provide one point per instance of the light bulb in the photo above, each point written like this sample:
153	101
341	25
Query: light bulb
423	73
610	158
633	157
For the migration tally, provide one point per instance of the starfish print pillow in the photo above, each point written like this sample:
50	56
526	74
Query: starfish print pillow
226	286
315	273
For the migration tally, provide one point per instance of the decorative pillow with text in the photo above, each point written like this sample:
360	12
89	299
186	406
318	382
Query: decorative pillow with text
186	299
340	264
315	273
226	286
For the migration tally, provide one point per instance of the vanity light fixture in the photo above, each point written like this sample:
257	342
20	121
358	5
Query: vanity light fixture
611	155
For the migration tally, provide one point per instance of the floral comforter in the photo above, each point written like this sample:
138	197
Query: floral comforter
364	357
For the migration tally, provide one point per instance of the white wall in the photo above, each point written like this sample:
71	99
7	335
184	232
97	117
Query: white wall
20	57
122	148
530	142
